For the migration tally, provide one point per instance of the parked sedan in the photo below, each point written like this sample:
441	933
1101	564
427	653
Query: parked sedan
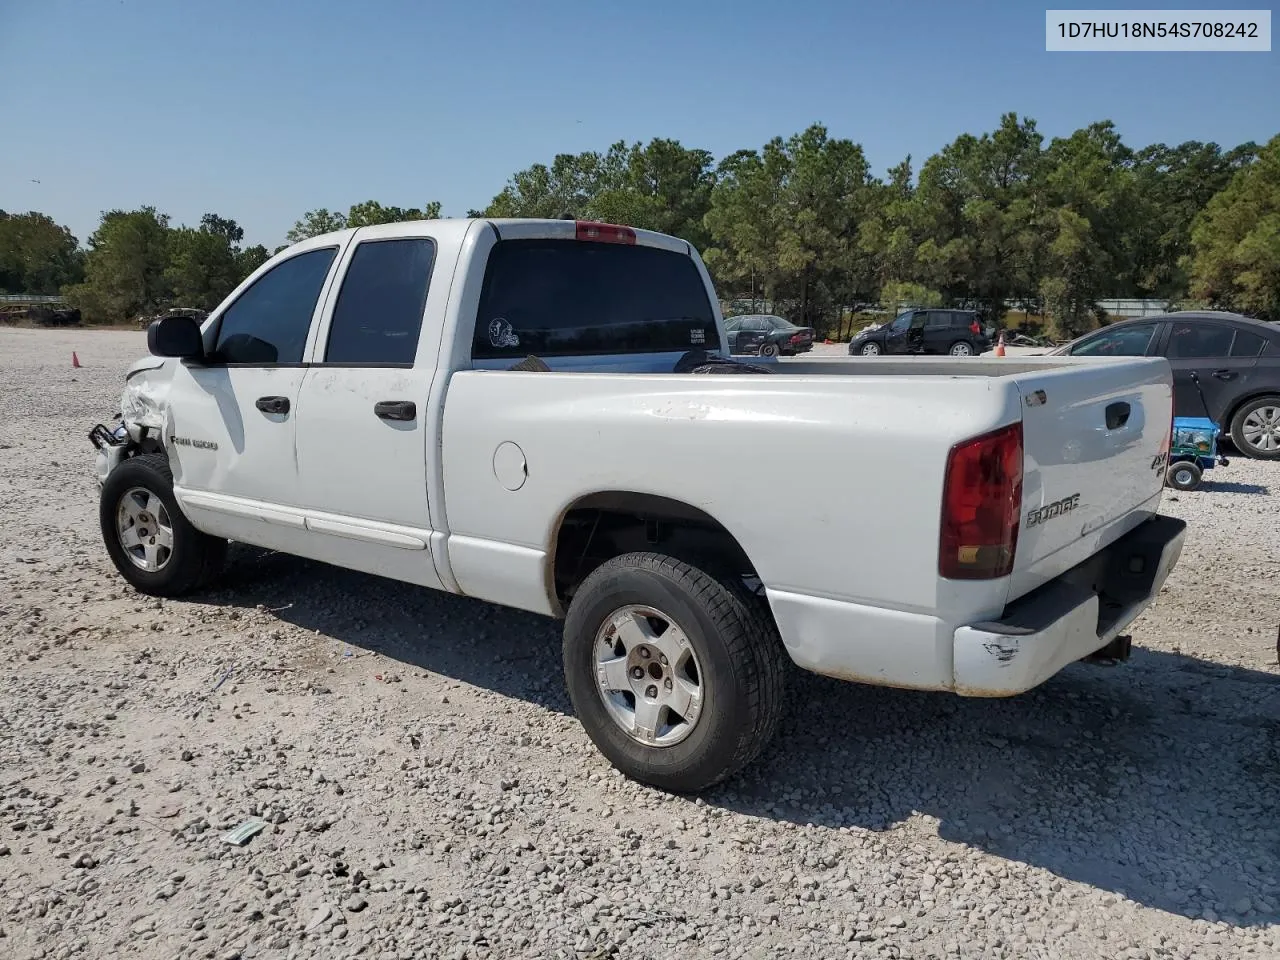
767	336
1235	362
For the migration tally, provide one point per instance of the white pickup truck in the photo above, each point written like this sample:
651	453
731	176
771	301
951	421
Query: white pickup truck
521	411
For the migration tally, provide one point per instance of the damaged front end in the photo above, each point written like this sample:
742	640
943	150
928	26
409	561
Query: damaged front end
112	444
139	424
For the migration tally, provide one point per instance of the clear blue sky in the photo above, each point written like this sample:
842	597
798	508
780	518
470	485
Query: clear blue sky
261	109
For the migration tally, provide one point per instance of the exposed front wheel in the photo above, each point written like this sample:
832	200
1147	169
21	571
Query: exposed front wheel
676	674
150	541
1255	429
871	349
1184	475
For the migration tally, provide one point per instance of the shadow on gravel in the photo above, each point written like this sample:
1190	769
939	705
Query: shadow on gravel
1218	486
1158	780
510	652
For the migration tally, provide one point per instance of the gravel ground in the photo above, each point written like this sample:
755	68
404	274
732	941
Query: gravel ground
428	793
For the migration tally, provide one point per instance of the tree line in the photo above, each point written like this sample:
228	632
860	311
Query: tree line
803	222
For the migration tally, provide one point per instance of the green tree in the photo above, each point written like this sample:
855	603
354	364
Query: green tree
369	213
204	265
125	266
661	186
565	189
1090	188
37	255
978	210
314	223
1235	260
1173	185
250	259
891	234
790	217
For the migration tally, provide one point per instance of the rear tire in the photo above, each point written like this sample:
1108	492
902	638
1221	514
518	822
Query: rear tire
769	350
152	544
960	348
1255	429
1184	475
720	628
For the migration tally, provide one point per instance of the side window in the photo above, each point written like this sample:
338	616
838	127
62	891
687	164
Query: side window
1247	344
1200	339
270	321
1123	342
901	323
938	320
378	315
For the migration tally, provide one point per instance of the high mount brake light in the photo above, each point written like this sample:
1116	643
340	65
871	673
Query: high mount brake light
604	232
981	501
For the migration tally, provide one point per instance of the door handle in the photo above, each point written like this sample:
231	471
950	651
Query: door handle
396	409
272	404
1117	415
1225	374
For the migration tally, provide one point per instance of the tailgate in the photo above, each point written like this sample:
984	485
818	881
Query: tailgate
1094	439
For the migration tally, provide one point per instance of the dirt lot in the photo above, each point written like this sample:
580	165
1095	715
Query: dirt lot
429	793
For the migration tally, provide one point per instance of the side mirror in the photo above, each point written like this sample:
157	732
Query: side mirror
175	337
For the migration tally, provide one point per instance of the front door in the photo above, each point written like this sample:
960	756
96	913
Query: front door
896	337
363	456
230	420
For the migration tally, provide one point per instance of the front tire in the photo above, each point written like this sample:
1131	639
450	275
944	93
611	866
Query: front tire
676	674
871	349
152	544
1255	429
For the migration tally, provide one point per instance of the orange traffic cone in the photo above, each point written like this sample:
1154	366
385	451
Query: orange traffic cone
1000	345
75	361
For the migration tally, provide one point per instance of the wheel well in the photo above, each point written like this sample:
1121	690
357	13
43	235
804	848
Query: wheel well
1235	407
602	526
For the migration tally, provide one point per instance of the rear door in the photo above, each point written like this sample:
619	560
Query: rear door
938	331
363	454
1094	436
1210	369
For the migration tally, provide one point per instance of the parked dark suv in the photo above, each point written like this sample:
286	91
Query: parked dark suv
954	332
1235	359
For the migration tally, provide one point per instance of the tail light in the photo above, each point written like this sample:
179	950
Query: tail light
974	328
796	338
981	500
604	232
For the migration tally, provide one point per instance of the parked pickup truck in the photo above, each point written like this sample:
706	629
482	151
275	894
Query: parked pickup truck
524	412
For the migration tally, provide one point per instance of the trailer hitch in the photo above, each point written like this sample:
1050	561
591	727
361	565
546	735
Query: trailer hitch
1117	651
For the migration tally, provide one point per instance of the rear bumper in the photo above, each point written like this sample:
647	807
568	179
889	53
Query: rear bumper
1070	617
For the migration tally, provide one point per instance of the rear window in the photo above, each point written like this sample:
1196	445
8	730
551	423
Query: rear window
557	298
1247	344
